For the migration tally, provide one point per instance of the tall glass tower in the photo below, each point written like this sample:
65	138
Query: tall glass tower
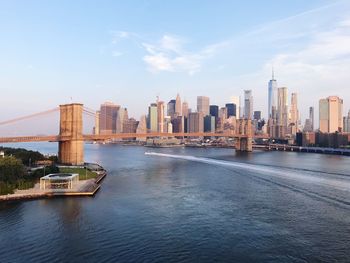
272	96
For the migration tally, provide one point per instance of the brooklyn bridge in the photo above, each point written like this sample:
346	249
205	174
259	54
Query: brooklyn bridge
71	137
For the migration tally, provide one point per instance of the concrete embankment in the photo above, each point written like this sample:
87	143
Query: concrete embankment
85	188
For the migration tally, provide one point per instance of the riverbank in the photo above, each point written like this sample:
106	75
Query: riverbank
87	187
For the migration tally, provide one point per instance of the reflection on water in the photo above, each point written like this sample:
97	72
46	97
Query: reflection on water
190	205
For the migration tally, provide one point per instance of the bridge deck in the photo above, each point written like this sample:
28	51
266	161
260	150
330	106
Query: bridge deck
100	137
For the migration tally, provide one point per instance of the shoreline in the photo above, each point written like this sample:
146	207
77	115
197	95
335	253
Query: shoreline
88	189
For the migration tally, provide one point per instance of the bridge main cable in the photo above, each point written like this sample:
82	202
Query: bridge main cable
29	116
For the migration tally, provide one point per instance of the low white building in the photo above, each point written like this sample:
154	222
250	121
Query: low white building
59	181
2	154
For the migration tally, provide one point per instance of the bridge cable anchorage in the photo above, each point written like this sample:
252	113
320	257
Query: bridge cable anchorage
29	116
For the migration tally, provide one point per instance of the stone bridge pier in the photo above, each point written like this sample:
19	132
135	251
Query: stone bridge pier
245	142
71	143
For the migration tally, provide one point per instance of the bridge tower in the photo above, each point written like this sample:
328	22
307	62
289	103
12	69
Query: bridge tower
71	144
244	142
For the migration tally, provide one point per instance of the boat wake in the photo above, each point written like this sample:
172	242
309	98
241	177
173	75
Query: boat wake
329	187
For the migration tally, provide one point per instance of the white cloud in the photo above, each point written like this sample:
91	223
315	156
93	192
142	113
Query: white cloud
169	54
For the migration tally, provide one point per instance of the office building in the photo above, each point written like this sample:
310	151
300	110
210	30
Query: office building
178	105
108	118
282	112
311	118
346	123
331	114
272	97
195	122
294	114
231	109
236	100
160	115
130	125
203	105
248	104
214	110
153	117
257	115
171	108
185	109
209	123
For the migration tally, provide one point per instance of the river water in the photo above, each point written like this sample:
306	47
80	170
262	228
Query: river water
190	205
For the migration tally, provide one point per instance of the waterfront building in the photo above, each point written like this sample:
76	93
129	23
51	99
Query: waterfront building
294	114
178	110
272	96
209	123
203	105
185	109
236	100
153	117
231	109
108	118
171	108
195	122
160	115
248	104
122	117
178	124
331	114
130	125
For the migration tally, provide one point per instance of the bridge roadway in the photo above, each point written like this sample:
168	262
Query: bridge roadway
102	137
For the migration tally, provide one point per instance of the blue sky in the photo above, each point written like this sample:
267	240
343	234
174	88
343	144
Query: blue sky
129	52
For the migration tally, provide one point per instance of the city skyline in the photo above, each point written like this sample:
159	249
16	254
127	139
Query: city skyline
96	61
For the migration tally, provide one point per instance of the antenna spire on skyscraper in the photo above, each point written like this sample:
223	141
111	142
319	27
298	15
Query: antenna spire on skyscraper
273	73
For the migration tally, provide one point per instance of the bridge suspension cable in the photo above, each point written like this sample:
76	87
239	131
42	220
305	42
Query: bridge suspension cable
29	116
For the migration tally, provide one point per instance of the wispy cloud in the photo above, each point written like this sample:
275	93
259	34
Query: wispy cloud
170	54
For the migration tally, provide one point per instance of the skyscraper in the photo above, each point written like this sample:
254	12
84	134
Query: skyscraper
178	111
122	117
203	105
214	110
248	104
257	115
171	108
272	96
331	114
231	109
311	118
236	100
346	123
153	117
185	109
108	117
294	114
282	111
195	122
160	115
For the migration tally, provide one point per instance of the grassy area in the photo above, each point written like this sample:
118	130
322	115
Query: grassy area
84	174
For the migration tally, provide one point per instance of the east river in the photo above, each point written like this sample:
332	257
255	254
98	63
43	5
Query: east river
190	205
